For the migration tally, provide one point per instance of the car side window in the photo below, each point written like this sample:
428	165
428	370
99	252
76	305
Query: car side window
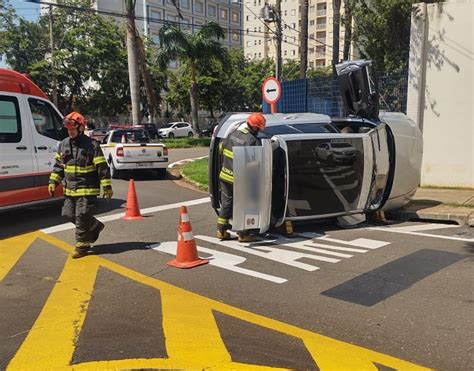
10	122
46	120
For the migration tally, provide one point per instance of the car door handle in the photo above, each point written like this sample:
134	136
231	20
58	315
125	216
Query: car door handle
22	148
42	148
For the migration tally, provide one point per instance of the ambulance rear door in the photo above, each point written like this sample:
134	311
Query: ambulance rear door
17	163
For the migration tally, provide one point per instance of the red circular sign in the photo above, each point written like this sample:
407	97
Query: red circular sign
271	90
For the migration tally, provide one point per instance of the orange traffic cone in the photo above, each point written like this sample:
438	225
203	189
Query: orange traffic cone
132	211
186	255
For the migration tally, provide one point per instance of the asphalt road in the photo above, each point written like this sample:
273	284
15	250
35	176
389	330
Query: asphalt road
397	296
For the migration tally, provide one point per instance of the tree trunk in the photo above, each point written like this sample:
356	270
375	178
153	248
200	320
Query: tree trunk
347	29
133	67
194	98
150	93
304	38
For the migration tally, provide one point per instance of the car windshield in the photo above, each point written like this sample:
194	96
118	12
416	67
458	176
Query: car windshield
167	126
130	136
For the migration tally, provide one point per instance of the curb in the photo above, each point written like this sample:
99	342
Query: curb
177	176
463	216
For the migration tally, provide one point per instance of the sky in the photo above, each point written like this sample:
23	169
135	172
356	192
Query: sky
25	9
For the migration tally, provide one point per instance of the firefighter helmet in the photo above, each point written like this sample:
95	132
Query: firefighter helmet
257	121
74	120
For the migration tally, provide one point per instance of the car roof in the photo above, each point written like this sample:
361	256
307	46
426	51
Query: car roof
15	82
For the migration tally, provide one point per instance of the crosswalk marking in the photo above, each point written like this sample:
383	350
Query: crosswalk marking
422	227
192	336
358	242
221	259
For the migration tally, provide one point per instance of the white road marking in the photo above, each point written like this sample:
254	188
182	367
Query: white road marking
109	218
272	253
422	227
222	260
180	162
393	230
359	242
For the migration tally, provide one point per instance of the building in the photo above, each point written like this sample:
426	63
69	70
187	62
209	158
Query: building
152	14
259	36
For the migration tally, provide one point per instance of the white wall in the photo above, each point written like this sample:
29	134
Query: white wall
441	93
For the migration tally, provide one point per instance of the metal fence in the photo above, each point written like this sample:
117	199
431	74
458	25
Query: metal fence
317	95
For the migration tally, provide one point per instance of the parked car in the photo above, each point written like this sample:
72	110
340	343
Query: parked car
152	130
176	129
129	148
208	130
311	167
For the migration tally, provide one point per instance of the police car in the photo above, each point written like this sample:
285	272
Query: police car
129	148
311	166
30	131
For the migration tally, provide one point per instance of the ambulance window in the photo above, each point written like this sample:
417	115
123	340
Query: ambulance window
10	124
47	121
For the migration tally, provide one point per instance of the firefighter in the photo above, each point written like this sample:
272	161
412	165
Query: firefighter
244	135
81	166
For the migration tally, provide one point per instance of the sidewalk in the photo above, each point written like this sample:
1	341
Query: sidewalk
453	205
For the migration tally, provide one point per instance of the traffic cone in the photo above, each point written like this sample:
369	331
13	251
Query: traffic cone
186	254
132	211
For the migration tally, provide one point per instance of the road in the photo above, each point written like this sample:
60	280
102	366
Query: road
397	296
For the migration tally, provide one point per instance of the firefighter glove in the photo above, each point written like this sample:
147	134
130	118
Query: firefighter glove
108	193
51	189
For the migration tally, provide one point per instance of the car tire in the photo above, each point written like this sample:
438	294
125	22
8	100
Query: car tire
190	134
161	173
171	135
114	173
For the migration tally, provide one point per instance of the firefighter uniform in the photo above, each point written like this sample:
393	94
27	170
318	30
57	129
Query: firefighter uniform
241	137
81	166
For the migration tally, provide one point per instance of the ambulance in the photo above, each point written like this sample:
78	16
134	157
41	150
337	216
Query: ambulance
30	131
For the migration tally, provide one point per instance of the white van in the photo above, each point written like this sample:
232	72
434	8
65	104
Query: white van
30	131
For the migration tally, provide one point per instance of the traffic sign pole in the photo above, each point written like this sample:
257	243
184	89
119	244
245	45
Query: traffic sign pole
273	108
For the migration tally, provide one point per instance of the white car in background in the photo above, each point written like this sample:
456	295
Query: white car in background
176	129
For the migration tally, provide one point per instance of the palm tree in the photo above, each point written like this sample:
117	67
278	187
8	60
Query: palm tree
192	49
133	66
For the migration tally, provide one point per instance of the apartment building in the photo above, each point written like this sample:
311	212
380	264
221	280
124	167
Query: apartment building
259	36
152	14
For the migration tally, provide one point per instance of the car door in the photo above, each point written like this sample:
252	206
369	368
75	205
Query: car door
47	132
17	168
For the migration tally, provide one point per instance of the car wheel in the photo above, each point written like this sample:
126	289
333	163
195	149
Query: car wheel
114	173
190	134
161	173
171	135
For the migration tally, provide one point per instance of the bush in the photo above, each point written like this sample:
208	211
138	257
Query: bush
186	142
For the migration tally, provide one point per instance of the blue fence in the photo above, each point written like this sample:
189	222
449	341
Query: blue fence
317	95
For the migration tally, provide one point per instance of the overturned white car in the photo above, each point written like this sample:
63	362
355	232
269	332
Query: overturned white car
312	166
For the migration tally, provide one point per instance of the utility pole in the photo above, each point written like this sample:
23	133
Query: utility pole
272	14
304	5
278	40
54	82
133	64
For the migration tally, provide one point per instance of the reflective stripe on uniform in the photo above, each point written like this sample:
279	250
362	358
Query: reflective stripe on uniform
57	157
244	130
228	153
74	169
98	160
228	178
105	182
54	177
82	192
222	220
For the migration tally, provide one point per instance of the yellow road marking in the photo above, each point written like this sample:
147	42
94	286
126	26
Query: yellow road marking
192	337
11	251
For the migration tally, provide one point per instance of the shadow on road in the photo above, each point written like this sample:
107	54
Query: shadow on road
117	248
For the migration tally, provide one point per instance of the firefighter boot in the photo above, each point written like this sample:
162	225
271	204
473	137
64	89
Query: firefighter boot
247	238
223	235
81	250
95	234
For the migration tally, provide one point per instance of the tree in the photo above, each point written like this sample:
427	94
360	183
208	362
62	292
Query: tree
192	50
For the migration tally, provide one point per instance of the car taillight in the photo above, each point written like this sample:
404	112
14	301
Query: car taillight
165	151
119	152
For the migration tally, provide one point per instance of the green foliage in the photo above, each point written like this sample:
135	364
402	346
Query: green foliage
197	171
382	32
186	142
